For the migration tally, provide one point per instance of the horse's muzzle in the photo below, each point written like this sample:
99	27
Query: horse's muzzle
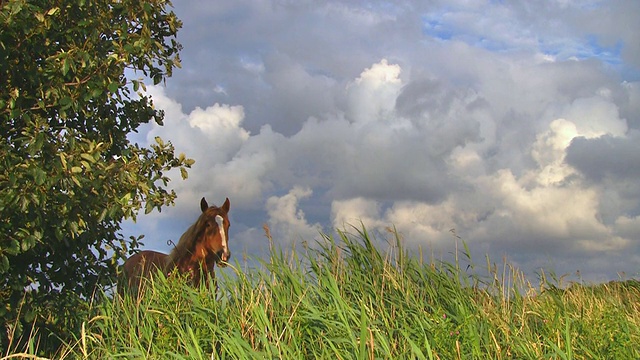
223	257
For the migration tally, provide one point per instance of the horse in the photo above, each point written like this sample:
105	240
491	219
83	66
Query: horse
204	244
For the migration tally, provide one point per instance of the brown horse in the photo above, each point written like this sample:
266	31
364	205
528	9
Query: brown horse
204	244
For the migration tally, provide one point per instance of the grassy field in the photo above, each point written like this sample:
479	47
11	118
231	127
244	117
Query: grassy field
348	299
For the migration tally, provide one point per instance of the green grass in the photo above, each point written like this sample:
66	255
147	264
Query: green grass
348	299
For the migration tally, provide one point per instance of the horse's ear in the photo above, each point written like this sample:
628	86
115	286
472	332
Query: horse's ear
203	205
226	205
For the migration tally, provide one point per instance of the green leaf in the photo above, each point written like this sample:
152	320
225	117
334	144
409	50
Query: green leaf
113	87
63	160
40	177
65	102
76	169
96	92
157	79
28	243
74	227
66	64
125	199
148	207
14	247
4	264
88	157
15	6
103	215
76	181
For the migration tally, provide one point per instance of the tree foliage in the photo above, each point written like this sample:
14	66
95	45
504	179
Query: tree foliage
69	173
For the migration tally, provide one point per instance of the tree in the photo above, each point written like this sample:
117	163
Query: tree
69	174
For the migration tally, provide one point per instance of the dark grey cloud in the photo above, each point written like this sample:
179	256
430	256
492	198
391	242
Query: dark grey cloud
606	156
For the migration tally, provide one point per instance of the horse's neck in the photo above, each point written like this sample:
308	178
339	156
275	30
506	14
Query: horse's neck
181	250
184	264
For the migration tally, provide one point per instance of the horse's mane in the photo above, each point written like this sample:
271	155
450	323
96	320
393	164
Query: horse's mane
186	243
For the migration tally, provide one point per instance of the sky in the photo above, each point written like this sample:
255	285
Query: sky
513	125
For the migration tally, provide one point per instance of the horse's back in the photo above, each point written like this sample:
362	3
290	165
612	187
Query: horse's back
141	265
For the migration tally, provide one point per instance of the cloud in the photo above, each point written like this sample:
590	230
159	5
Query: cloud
352	211
286	220
372	95
610	164
546	210
606	156
514	124
219	122
218	126
617	26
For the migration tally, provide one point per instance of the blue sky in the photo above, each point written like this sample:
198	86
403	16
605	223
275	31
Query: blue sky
514	123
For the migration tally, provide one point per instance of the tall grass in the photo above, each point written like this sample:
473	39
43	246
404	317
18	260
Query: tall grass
348	299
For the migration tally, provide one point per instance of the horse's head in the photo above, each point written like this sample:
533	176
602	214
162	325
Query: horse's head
215	232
